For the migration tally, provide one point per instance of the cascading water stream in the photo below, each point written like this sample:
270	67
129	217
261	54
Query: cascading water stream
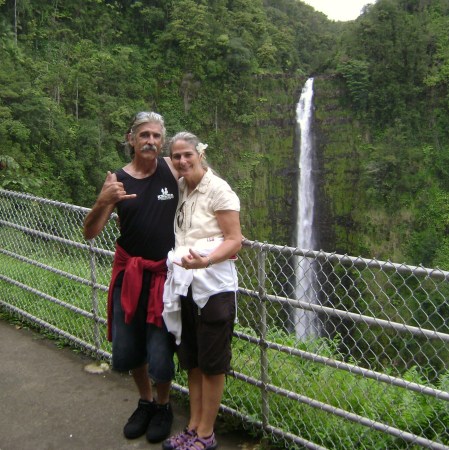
305	322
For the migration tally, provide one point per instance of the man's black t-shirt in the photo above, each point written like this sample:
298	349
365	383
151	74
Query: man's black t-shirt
146	222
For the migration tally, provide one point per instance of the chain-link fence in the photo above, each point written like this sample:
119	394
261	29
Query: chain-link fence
330	351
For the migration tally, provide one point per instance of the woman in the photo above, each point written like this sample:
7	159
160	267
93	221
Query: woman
202	270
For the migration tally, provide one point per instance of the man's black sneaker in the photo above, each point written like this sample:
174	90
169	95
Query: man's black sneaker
138	422
160	424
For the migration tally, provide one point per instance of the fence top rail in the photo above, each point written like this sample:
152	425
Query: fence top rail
45	201
358	262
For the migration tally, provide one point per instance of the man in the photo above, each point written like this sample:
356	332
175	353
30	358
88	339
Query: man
145	193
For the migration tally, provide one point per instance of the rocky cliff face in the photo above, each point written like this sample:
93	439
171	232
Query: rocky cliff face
266	169
264	173
338	136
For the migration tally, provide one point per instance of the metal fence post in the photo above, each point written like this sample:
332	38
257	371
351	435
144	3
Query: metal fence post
93	277
261	277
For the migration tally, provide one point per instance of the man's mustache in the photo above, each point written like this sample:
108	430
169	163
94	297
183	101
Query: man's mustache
148	147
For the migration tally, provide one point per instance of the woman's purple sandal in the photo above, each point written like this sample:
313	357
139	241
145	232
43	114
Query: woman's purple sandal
197	443
176	441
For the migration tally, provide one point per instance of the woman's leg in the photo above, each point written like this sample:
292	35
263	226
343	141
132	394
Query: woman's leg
212	390
195	398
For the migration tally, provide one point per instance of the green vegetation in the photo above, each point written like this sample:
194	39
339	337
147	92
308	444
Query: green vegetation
395	406
393	64
62	294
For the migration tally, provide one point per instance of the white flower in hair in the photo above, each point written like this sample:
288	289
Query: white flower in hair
200	147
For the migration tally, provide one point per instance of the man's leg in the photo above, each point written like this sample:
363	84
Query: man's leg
163	392
161	367
128	352
140	375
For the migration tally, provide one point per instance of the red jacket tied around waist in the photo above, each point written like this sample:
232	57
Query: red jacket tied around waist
133	266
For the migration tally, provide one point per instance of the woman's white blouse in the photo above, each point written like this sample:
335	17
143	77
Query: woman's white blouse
195	217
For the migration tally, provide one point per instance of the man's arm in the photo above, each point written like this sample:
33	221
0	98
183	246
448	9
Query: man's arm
111	193
172	167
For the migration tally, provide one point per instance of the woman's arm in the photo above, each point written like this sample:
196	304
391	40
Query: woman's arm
229	223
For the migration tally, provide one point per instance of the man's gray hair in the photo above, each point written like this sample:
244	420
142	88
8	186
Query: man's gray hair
139	119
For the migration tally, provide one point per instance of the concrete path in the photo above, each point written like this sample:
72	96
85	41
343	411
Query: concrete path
48	401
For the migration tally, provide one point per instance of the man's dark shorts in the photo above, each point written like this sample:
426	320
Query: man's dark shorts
207	333
140	342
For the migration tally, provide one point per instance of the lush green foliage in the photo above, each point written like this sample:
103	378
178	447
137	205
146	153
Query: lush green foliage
392	405
72	78
393	63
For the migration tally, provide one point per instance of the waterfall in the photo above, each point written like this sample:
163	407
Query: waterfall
305	322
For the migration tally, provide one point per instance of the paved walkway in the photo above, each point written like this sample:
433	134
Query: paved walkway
48	401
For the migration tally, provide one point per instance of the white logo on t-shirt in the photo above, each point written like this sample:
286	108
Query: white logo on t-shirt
165	195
